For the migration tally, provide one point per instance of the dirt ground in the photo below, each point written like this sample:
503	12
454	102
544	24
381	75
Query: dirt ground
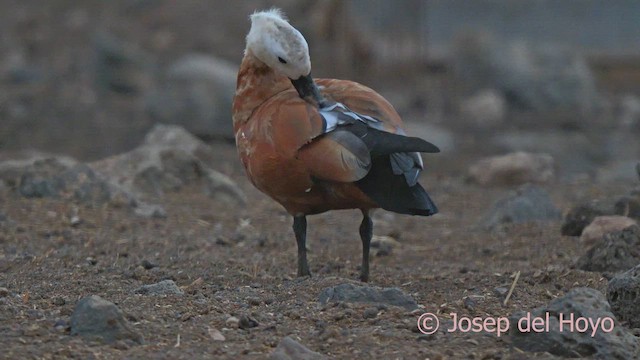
235	261
242	262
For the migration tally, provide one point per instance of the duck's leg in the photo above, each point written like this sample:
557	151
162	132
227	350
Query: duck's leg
300	230
366	232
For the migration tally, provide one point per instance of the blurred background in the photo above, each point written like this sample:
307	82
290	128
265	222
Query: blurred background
90	78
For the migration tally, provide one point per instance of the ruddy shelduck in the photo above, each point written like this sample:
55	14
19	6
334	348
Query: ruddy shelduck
324	144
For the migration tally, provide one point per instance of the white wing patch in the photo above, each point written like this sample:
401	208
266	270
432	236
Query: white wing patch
338	114
407	164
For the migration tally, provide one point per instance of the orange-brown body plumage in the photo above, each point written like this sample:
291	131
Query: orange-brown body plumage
279	140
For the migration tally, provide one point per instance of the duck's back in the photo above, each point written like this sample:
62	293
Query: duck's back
289	156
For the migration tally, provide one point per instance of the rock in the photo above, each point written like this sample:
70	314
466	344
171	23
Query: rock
443	138
623	294
383	245
254	301
17	70
34	164
100	320
527	204
370	312
169	159
164	287
629	115
148	265
603	225
513	169
289	349
486	108
623	148
150	211
574	153
232	322
58	300
197	95
540	78
120	67
616	251
247	322
582	215
351	293
500	292
33	185
60	177
629	205
617	343
75	221
618	170
39	175
216	335
61	325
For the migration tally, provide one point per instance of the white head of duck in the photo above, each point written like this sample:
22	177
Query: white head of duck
278	44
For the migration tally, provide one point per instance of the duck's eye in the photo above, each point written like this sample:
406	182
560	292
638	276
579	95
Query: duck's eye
283	61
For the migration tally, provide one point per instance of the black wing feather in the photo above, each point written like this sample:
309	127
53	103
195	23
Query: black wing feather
393	193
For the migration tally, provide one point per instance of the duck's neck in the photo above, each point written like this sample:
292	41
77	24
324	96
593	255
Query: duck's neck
256	83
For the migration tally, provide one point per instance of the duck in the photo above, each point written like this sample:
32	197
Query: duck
316	145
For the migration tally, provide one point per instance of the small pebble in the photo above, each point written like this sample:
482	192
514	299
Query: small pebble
469	303
254	301
500	291
370	312
221	241
92	260
216	335
247	322
75	221
269	300
4	292
61	325
57	300
148	265
121	345
232	322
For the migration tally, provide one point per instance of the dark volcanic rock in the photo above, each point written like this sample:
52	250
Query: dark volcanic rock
367	294
247	322
617	343
582	215
623	294
100	320
618	251
528	203
289	349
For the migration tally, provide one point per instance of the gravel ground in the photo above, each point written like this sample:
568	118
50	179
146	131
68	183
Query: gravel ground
240	262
